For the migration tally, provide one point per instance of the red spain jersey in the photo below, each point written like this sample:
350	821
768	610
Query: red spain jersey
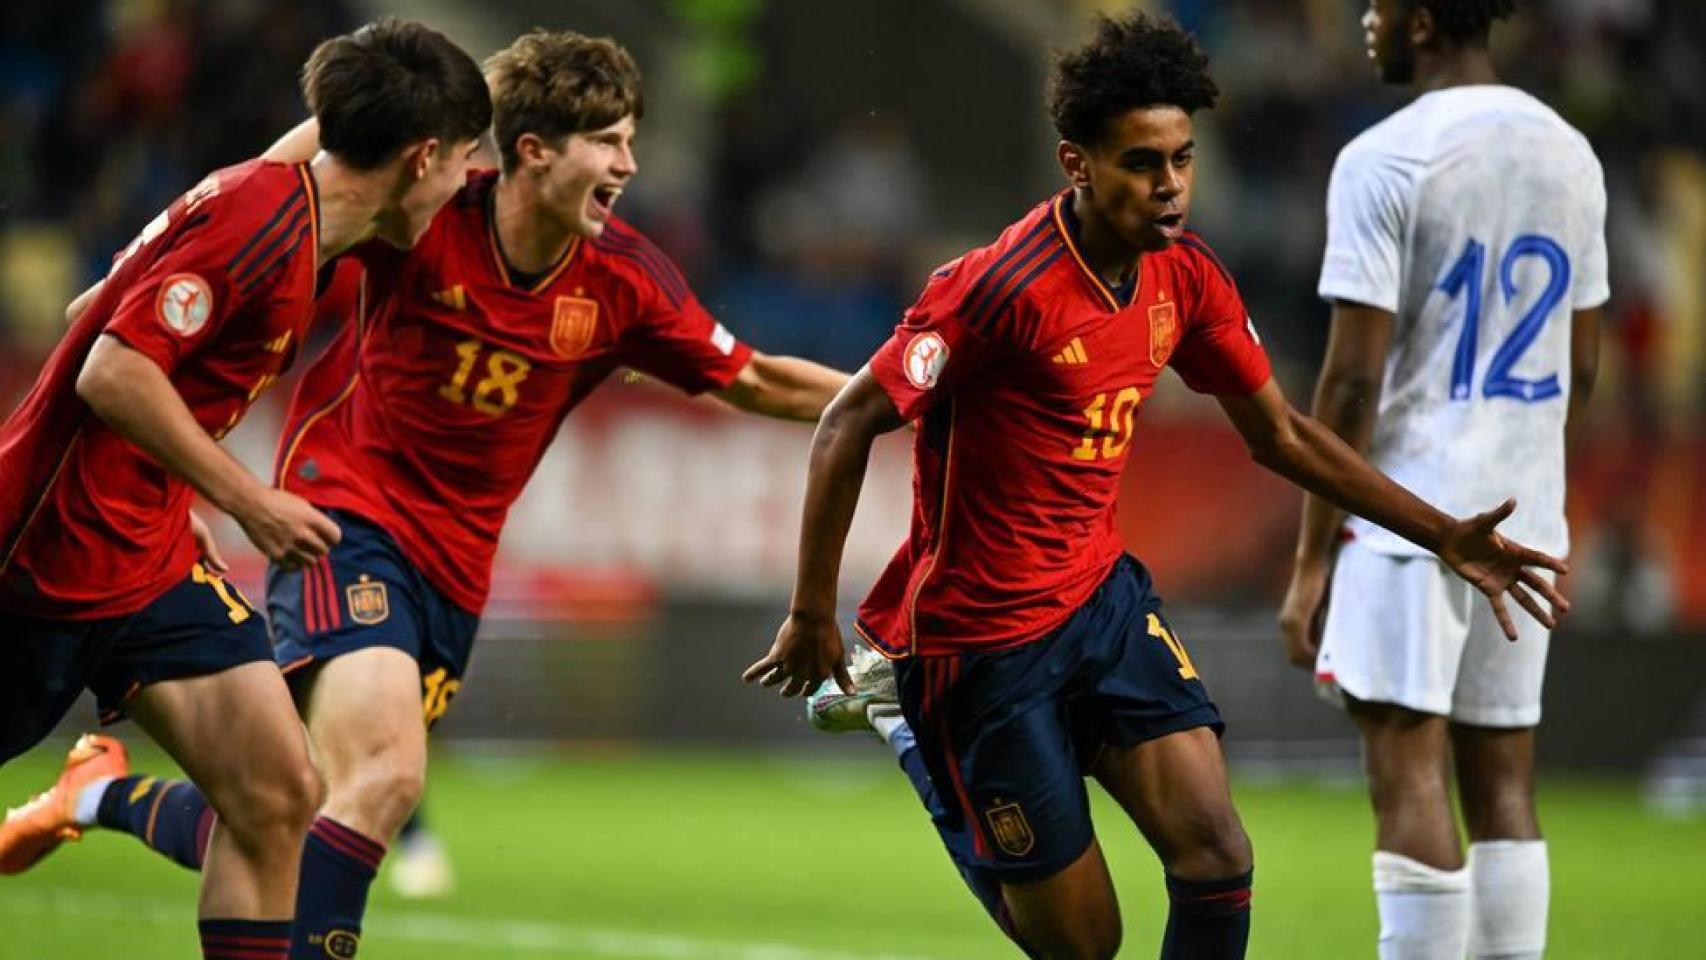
217	290
429	415
1028	372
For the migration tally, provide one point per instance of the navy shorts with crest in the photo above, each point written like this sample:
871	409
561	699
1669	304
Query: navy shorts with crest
201	626
1009	736
365	593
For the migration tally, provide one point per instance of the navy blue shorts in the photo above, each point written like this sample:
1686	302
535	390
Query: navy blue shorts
1009	736
201	626
365	593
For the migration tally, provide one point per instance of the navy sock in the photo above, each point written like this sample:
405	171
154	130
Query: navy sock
338	865
171	816
245	939
1209	919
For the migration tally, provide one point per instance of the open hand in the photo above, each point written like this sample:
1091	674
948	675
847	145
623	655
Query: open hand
807	650
1497	566
205	545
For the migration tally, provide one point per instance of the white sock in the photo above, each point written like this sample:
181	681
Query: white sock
885	719
89	801
1424	911
1510	884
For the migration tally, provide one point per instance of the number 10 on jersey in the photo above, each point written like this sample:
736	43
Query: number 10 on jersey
1466	277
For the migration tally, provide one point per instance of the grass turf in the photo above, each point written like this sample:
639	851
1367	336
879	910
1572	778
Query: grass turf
769	858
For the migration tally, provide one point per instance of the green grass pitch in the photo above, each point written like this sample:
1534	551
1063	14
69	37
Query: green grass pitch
675	857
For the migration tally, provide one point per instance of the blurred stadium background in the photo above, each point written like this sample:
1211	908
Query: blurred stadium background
807	163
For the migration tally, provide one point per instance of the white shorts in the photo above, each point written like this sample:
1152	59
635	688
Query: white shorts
1409	631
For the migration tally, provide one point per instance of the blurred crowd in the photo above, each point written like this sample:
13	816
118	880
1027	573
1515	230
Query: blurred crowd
109	108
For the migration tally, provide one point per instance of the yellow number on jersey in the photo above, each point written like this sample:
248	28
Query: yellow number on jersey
1111	441
496	392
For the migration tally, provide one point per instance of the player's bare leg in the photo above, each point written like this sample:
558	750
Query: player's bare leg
1175	790
1072	915
1509	874
236	733
364	712
1421	887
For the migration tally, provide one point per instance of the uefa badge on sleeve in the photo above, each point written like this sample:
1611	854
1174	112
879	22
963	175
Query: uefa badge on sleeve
926	355
185	303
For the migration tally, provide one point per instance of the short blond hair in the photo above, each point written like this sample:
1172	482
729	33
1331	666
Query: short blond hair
552	84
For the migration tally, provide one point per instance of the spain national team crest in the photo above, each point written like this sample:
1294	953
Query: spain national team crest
572	326
1012	831
1163	330
341	944
368	602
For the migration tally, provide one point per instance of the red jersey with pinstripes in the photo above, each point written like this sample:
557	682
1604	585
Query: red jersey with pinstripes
1028	373
218	291
428	416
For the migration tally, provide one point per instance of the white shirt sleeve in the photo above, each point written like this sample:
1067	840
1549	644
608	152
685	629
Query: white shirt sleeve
1593	286
1365	230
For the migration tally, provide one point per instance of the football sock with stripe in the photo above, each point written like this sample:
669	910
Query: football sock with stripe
338	866
223	939
1424	911
1509	886
170	816
1208	919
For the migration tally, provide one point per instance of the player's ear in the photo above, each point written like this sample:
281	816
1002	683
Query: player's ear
1074	163
530	149
418	156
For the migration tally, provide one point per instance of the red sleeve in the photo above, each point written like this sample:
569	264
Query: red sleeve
194	266
933	350
1220	353
677	341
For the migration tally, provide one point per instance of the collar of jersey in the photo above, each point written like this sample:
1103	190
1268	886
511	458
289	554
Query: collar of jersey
501	262
1067	224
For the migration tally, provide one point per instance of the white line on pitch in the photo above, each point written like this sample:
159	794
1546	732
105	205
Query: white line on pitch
442	928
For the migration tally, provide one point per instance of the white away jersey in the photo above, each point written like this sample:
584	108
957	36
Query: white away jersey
1476	216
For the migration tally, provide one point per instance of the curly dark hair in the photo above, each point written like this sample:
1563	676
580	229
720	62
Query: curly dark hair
1133	61
1466	21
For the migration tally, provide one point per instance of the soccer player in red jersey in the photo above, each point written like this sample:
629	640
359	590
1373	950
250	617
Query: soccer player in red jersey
1030	651
101	585
422	423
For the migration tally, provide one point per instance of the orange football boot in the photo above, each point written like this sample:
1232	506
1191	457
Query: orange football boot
37	828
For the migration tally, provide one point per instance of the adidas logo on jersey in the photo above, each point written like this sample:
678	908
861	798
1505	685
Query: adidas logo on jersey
1073	354
455	298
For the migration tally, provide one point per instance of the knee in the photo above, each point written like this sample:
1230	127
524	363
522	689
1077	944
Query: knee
385	790
280	801
1214	848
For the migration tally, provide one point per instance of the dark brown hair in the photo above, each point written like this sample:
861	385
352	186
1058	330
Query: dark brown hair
389	84
552	84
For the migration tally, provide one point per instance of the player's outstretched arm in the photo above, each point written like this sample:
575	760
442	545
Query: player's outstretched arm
1347	394
1303	451
134	397
298	146
808	646
788	388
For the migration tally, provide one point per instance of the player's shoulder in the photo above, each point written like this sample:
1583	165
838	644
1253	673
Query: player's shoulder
1192	258
252	193
988	281
630	259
